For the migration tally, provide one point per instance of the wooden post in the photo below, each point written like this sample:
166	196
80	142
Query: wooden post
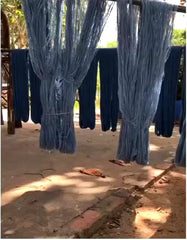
6	61
2	122
11	115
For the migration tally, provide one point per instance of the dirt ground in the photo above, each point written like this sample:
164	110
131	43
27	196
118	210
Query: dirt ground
42	191
159	213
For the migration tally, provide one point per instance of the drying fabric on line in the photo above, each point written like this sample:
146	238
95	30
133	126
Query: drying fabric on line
63	36
87	94
183	114
36	107
180	158
144	36
178	109
165	115
109	103
20	84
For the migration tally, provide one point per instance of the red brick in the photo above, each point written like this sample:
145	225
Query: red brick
86	221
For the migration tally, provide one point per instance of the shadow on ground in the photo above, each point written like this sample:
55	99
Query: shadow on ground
41	191
160	213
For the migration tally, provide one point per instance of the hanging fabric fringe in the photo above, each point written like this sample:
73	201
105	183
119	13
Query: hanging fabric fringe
62	42
180	158
109	103
20	84
178	110
144	36
183	114
87	93
36	107
165	115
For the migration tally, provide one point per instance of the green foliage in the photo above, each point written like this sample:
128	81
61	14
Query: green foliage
179	37
17	25
113	44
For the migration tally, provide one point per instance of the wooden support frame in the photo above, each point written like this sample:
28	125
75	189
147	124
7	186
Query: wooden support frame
6	64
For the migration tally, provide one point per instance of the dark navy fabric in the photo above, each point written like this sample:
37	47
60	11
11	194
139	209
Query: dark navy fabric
180	158
109	103
178	110
183	114
87	93
165	115
20	84
36	107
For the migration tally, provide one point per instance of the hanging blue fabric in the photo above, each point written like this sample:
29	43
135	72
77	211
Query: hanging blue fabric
165	115
36	107
180	158
178	110
183	114
87	93
109	103
20	84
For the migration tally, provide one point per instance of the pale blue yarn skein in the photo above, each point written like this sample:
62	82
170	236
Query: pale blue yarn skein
144	36
63	35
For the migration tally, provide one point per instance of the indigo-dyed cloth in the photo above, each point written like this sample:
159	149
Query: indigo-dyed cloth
87	93
36	107
109	103
20	84
180	158
178	109
165	115
183	114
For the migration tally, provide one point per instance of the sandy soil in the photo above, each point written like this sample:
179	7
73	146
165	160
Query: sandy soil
159	213
41	191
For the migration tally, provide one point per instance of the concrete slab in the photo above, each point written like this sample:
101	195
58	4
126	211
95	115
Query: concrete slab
42	192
